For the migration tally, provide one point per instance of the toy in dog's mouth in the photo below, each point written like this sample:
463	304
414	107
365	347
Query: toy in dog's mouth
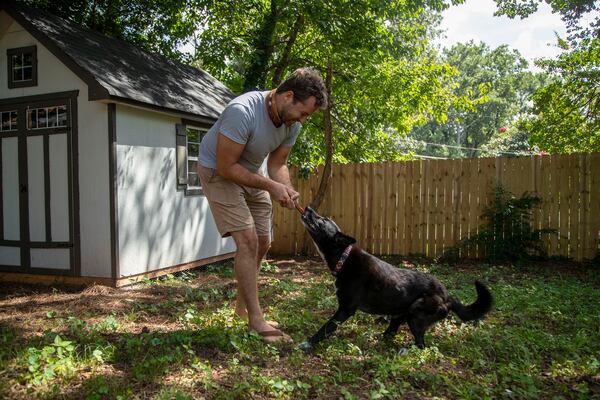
316	223
308	218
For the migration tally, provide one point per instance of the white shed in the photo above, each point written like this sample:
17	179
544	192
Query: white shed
98	147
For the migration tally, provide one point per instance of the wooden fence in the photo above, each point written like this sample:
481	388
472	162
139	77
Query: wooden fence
426	206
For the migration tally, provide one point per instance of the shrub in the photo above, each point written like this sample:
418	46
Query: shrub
507	234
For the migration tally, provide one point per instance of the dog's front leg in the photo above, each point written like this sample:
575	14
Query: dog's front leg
393	326
326	330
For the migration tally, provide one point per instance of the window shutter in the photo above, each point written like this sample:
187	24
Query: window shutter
182	167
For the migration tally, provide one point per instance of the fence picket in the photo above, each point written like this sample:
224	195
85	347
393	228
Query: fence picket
403	173
419	209
593	227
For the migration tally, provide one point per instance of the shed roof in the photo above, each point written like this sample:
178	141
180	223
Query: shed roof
119	71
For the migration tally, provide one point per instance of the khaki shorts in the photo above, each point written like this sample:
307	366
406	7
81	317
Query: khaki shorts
236	207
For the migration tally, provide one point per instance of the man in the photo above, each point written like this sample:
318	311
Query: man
253	127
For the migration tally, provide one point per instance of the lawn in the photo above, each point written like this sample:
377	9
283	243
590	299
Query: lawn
175	338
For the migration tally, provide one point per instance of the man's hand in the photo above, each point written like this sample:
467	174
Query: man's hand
283	194
293	195
279	173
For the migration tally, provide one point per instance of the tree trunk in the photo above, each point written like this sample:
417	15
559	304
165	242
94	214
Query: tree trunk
285	56
263	50
326	177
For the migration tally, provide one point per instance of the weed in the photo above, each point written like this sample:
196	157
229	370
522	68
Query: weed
54	360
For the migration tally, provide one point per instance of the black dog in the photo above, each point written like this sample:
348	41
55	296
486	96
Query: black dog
366	283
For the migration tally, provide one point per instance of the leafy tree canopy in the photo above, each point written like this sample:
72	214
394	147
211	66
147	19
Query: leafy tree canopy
386	77
566	114
501	80
571	11
159	26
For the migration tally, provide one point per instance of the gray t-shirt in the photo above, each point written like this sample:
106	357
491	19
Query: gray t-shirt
246	121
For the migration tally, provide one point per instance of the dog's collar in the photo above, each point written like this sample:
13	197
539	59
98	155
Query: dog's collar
341	261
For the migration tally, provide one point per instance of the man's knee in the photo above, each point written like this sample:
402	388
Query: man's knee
246	241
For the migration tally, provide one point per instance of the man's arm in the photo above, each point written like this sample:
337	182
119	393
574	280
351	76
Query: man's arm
278	169
228	155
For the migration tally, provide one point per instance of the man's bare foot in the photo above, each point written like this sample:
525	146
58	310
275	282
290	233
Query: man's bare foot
244	317
270	334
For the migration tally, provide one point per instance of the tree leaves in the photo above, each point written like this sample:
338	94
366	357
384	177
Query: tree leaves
159	26
385	78
566	112
499	85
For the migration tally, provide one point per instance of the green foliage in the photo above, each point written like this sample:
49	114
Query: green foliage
540	341
571	10
155	25
109	324
513	142
173	394
385	76
49	362
507	233
565	115
500	82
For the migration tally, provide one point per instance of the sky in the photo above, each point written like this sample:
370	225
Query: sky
534	36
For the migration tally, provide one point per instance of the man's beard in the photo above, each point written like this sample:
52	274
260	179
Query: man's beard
285	117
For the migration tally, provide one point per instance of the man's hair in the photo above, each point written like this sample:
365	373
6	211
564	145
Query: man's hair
306	82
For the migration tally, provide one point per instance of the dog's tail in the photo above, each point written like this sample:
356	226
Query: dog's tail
478	309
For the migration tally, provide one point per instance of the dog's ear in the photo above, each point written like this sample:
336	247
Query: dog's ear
341	239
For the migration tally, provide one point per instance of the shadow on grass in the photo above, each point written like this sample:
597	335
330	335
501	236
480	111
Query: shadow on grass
177	340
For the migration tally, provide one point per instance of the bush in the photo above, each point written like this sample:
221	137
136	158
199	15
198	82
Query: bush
507	234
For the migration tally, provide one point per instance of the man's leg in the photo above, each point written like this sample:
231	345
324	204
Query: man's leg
241	224
264	243
246	274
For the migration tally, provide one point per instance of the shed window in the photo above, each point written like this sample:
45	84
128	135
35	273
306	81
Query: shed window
22	67
189	137
47	117
9	121
194	136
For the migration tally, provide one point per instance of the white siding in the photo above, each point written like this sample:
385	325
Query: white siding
158	225
59	203
35	188
50	258
94	197
53	76
10	255
10	188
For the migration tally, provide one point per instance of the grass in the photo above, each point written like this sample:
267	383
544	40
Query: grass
175	338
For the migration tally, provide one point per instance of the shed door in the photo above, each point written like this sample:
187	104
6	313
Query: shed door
36	164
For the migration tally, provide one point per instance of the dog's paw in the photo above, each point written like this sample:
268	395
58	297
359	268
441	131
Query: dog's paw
403	351
305	346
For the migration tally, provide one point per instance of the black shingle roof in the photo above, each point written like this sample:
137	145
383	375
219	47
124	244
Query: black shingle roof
114	69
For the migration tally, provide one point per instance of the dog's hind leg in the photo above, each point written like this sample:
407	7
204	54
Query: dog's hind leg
330	326
418	327
423	313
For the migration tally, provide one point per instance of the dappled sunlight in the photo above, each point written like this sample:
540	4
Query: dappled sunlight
152	220
179	333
